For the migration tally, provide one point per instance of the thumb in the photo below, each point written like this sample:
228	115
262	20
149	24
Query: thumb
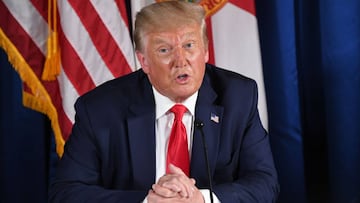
175	170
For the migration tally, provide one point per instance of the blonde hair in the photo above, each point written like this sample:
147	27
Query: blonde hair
166	16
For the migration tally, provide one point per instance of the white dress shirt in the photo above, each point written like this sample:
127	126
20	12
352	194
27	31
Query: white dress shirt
163	126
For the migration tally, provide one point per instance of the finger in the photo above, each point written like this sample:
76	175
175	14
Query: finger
175	170
181	183
193	181
179	187
174	182
189	189
197	197
152	197
165	191
155	198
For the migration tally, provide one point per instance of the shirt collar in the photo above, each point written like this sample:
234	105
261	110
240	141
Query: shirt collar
163	103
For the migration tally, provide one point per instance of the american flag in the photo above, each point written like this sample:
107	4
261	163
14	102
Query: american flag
95	46
94	42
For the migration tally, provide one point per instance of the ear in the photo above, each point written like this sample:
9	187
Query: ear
142	60
206	56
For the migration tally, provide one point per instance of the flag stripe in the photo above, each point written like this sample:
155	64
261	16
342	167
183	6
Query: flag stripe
210	38
41	6
98	33
65	121
80	40
68	95
122	9
113	20
248	5
28	48
27	18
69	60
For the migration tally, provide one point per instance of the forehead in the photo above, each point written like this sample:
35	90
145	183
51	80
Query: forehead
189	32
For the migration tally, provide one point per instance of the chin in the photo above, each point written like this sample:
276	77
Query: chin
180	98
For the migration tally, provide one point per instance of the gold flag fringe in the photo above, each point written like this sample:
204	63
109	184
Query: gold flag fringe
52	63
39	100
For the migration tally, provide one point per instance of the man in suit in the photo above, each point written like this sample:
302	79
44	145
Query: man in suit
118	149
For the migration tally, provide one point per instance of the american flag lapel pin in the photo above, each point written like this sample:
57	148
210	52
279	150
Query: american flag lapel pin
214	117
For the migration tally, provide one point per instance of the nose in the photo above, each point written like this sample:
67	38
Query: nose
180	58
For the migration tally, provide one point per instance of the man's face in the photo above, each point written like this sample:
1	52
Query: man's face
175	61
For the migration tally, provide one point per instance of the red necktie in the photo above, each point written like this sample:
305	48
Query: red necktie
178	153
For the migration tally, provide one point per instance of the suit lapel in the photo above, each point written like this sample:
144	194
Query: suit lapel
142	148
211	116
141	128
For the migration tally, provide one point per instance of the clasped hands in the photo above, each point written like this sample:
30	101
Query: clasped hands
175	187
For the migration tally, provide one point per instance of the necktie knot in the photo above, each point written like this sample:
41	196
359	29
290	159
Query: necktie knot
178	110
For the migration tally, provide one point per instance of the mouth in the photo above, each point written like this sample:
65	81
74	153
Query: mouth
182	78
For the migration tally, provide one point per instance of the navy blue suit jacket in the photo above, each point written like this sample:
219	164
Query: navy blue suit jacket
110	155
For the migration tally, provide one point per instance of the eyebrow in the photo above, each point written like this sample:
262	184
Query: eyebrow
159	40
189	34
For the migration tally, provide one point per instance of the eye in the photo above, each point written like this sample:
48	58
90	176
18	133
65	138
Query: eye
163	50
189	45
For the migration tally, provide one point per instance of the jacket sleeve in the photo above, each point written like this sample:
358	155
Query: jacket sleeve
253	174
78	175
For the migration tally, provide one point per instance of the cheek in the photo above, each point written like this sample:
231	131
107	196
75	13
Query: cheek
198	55
197	58
165	60
158	60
